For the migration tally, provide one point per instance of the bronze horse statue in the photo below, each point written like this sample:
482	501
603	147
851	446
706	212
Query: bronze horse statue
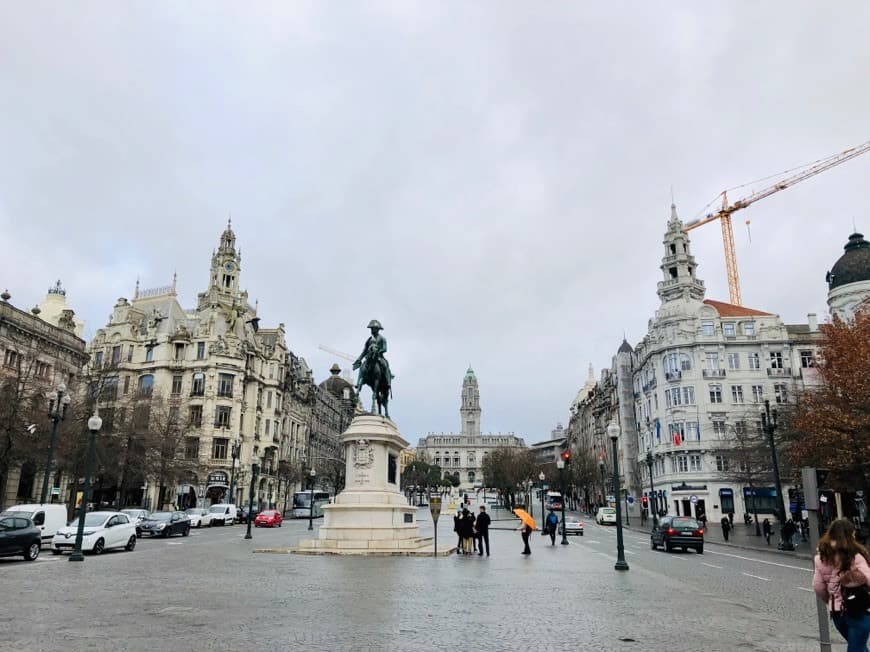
374	370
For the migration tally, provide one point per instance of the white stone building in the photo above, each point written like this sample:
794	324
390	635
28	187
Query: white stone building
464	452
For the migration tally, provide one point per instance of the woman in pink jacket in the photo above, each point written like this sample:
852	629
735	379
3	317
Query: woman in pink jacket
841	557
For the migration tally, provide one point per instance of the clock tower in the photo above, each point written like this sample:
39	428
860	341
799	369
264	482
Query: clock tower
226	264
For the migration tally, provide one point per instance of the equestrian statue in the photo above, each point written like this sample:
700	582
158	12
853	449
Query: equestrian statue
374	370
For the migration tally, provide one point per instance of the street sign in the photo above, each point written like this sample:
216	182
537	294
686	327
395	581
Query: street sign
630	500
694	499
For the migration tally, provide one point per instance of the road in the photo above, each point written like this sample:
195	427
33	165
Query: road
210	592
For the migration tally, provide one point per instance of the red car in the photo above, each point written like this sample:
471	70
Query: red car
269	518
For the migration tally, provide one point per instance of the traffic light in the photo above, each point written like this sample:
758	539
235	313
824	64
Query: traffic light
644	501
566	457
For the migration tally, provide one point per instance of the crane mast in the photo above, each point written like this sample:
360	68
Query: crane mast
724	213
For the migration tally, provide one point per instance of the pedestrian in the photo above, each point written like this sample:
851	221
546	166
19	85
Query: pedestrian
473	530
483	521
731	519
457	519
702	519
788	532
552	524
726	527
767	528
841	570
526	533
466	530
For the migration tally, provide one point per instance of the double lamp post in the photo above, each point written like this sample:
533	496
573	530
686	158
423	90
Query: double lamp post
58	402
613	431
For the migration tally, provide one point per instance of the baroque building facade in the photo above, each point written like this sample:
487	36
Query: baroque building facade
849	279
463	453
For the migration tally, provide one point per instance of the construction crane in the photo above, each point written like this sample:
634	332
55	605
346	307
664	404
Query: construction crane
796	175
347	374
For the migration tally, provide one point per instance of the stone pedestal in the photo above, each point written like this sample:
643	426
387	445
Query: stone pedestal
371	516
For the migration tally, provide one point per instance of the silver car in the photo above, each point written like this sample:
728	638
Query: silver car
136	517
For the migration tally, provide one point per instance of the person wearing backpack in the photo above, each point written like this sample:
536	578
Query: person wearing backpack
841	578
552	524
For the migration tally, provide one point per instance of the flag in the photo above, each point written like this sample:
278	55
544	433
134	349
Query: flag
677	440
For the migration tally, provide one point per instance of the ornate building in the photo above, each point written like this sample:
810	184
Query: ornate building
463	453
849	279
214	384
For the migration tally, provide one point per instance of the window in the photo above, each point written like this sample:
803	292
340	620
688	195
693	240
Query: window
737	393
116	354
146	386
271	371
719	428
780	393
149	353
225	385
222	416
757	393
740	428
196	415
776	359
728	329
707	328
109	389
176	385
754	361
694	462
126	384
179	351
807	359
12	359
721	463
749	328
42	369
689	395
269	399
191	448
712	360
715	393
197	387
200	350
734	361
130	353
692	432
267	426
219	448
174	415
676	395
682	463
98	359
275	431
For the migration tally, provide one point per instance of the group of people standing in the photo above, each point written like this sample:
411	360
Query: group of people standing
472	532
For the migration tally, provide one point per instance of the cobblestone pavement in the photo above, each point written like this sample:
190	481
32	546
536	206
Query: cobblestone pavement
209	592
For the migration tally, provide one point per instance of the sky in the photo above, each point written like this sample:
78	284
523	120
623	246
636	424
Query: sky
490	180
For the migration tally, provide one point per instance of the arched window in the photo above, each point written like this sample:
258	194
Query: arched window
146	386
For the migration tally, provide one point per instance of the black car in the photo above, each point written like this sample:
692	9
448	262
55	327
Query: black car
242	514
19	536
165	524
677	532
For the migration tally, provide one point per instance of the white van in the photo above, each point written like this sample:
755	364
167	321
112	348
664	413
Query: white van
48	518
222	514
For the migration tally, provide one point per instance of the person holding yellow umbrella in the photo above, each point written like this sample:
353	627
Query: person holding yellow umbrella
526	528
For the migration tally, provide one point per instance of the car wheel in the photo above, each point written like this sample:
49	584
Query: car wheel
279	525
99	546
166	533
131	544
581	533
56	551
32	551
652	544
700	550
138	533
668	547
186	532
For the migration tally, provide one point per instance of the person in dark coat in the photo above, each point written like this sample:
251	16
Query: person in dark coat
482	526
552	524
466	530
726	527
457	519
767	528
526	532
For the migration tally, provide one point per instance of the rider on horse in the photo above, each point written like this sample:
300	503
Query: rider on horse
373	365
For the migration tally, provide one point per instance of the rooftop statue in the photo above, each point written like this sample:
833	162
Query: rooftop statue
374	370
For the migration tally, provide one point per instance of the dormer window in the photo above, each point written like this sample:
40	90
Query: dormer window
673	249
673	272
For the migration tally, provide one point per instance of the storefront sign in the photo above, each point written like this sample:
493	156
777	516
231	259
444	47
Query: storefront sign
218	478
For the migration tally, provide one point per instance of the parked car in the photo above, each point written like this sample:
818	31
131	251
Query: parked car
223	514
677	532
573	526
48	518
137	516
198	517
606	515
243	513
269	518
103	531
165	524
554	500
19	536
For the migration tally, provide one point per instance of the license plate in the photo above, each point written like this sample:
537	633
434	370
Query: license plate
689	532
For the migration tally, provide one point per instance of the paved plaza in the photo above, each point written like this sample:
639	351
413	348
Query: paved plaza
210	592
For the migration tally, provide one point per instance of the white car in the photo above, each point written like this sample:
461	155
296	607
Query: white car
222	514
103	531
136	517
606	515
199	517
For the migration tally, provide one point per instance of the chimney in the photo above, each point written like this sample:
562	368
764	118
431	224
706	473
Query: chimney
813	321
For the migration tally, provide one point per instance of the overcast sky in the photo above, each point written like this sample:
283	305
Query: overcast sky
490	180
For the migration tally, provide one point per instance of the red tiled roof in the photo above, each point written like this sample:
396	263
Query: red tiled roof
731	310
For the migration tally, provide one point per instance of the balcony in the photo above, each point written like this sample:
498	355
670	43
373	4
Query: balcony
650	385
673	375
713	373
786	371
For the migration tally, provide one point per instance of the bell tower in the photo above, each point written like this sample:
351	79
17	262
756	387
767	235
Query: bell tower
226	264
469	412
678	265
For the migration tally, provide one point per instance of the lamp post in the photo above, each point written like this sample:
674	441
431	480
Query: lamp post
94	425
541	477
313	475
621	564
653	508
234	452
255	467
58	402
768	423
560	464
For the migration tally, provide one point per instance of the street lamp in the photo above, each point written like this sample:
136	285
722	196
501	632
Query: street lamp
94	425
234	452
255	467
621	564
541	477
58	402
560	464
312	474
768	423
653	506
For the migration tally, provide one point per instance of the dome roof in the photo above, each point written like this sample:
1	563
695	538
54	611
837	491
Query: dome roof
469	375
625	347
853	266
335	384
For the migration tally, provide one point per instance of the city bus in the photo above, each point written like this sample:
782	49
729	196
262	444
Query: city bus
302	503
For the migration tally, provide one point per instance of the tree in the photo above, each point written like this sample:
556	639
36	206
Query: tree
507	469
832	419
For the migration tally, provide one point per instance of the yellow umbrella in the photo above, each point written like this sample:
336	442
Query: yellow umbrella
525	517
